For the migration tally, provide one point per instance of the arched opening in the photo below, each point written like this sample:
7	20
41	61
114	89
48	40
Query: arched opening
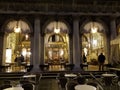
93	42
56	44
115	49
17	44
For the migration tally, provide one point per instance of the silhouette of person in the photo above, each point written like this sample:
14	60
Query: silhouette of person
84	58
101	61
21	58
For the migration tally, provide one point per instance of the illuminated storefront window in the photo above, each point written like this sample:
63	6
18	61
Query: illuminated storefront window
17	41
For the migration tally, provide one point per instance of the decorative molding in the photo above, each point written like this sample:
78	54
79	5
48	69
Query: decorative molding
59	7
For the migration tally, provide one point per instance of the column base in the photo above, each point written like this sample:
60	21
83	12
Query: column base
36	69
77	69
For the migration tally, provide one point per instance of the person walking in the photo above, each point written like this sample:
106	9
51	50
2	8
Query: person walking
101	61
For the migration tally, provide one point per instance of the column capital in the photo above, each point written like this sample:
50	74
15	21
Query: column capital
76	17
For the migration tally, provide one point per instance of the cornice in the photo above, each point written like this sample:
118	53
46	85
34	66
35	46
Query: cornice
60	7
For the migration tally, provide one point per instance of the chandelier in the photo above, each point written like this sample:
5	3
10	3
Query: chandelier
17	28
56	28
94	28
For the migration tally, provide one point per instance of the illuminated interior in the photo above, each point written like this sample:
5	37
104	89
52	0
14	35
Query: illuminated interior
18	41
56	43
93	41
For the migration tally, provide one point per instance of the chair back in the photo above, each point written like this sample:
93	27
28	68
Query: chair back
85	87
4	86
63	81
70	85
28	86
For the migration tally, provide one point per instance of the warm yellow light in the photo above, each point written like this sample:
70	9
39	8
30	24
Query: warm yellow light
85	51
28	54
56	30
95	42
61	52
26	36
8	55
24	52
17	29
94	29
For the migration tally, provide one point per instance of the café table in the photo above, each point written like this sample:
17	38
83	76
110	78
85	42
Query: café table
30	77
108	77
70	75
85	87
116	70
14	88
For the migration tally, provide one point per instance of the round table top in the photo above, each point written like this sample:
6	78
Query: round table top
28	76
108	75
70	75
84	87
14	88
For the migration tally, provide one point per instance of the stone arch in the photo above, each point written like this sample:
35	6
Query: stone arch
102	30
55	47
62	38
10	36
3	29
104	26
10	24
53	20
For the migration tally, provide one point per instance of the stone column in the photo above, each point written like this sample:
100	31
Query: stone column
42	50
76	45
113	28
36	46
1	48
31	46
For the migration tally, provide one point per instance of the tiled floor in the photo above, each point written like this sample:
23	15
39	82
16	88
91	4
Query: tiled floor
61	68
51	84
48	84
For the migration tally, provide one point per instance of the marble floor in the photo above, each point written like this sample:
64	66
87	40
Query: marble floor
51	84
48	84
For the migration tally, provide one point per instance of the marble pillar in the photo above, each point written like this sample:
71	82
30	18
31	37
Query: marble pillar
113	28
36	46
1	48
76	45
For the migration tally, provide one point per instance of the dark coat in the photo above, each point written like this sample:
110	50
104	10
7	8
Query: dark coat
101	58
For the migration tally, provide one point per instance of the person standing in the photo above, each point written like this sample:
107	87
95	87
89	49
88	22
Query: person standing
84	58
21	58
101	61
